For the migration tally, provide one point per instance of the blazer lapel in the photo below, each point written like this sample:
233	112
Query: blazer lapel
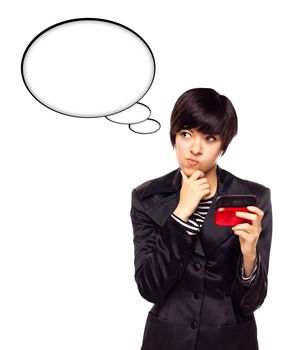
212	235
170	186
163	197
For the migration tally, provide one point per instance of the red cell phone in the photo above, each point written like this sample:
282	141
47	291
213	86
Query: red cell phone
228	205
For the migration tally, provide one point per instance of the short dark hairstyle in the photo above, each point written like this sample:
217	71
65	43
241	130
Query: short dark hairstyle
207	111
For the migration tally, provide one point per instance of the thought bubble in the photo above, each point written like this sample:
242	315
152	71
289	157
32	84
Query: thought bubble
89	68
131	115
147	127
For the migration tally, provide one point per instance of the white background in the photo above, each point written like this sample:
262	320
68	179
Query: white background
66	250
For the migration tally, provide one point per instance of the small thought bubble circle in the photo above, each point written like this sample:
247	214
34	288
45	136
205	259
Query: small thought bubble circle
148	126
88	67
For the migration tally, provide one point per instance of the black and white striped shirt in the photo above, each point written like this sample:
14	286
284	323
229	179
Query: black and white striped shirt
196	220
193	227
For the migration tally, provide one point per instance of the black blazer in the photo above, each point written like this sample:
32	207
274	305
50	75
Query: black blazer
200	300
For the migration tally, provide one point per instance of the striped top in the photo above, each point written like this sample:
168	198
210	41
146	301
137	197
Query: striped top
193	227
196	220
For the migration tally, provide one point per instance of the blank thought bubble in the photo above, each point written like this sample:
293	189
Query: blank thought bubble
88	67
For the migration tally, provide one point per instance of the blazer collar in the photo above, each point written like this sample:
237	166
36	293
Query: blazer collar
211	235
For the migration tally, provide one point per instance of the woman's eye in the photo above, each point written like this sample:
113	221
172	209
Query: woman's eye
210	138
185	134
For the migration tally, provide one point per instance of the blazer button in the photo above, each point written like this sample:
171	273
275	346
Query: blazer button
194	324
197	266
197	295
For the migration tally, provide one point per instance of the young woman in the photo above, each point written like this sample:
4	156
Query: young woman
205	280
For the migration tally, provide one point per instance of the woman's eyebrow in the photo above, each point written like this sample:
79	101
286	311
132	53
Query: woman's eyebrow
190	129
193	130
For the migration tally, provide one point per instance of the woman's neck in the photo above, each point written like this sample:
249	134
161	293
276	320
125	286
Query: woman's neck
211	176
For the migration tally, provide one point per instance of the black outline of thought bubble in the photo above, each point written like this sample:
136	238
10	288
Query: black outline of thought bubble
127	123
145	133
75	20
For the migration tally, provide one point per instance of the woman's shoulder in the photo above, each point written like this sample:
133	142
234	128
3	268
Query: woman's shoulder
253	186
164	184
167	178
152	191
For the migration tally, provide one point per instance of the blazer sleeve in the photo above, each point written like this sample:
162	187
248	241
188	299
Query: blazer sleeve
161	253
248	279
249	297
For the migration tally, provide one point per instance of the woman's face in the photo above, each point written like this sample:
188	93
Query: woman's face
195	150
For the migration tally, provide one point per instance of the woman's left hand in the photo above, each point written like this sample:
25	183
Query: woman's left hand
249	233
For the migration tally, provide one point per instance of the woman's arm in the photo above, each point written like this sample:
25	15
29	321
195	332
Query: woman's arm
249	297
161	253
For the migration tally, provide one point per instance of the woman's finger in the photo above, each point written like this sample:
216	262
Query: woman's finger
245	215
247	237
256	210
184	177
244	227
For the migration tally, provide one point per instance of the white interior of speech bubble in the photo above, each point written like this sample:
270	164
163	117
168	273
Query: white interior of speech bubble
135	114
148	126
88	67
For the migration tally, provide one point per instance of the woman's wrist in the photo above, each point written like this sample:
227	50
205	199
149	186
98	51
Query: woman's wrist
181	214
250	254
249	263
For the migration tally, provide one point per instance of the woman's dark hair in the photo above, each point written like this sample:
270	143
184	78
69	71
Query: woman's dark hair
207	111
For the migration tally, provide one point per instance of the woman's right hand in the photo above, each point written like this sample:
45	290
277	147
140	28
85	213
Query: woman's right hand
193	189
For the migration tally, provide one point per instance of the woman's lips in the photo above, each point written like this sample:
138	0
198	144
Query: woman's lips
192	162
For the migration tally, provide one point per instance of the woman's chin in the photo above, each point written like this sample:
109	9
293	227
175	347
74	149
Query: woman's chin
189	171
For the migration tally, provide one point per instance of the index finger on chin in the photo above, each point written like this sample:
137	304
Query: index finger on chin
196	175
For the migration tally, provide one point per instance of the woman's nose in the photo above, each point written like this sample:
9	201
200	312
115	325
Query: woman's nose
196	146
